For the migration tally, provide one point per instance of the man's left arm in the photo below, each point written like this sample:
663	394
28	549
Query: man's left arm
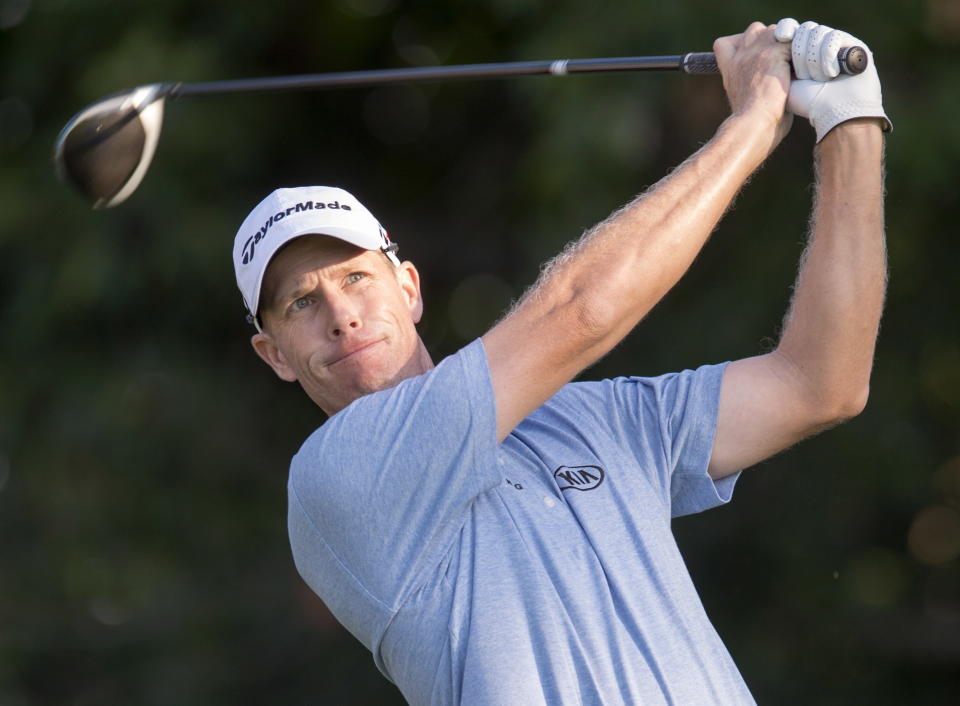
819	373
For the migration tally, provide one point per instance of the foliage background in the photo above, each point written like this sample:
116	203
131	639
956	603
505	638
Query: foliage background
143	447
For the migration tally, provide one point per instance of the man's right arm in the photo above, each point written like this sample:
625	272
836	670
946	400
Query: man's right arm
591	296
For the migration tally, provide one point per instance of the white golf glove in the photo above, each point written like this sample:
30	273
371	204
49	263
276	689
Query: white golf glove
819	92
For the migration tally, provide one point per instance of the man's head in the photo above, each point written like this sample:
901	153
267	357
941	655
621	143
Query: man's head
334	307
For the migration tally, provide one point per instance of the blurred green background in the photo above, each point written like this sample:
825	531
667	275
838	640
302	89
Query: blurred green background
143	447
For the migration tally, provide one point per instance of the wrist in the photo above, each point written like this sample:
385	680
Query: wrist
860	126
858	134
756	130
851	156
759	116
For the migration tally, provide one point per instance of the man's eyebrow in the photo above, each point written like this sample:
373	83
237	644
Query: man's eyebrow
304	285
300	288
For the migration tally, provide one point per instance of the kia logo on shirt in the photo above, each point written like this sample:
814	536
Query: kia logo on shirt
578	477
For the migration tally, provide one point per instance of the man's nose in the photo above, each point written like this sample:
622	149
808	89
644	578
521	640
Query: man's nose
344	317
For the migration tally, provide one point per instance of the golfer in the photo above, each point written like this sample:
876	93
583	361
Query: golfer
498	535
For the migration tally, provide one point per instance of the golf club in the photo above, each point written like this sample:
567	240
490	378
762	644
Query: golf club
105	150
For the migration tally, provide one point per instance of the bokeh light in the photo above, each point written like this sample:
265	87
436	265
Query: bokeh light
943	19
934	536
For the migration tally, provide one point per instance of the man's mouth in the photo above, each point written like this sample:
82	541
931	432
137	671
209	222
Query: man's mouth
354	350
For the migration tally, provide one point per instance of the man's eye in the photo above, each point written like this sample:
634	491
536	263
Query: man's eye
301	303
355	277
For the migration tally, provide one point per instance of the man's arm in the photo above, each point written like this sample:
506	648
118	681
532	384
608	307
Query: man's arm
593	295
819	374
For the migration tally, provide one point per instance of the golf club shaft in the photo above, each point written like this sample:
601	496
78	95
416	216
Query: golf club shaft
105	149
693	63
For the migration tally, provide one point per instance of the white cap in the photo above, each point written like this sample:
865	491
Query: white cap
289	213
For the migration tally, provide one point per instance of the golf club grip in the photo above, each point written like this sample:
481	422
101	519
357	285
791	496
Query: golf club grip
701	62
853	60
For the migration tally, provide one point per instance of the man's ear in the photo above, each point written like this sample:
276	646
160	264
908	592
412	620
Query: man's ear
409	280
271	354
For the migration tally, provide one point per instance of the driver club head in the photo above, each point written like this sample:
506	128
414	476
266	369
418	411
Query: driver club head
105	149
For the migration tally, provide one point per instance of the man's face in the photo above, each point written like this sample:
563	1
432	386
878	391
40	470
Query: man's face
340	320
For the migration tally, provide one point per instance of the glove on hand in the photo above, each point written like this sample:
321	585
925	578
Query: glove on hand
819	92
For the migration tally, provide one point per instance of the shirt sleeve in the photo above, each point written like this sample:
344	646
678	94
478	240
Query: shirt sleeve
379	491
668	424
687	405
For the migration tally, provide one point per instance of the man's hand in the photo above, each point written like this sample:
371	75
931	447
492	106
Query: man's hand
756	75
820	93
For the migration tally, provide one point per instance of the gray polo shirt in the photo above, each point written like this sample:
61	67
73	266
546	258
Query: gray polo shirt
541	570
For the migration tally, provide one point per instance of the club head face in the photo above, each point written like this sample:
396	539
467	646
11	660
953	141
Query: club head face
105	150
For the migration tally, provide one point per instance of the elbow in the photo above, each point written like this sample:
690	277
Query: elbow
841	405
858	402
829	395
594	318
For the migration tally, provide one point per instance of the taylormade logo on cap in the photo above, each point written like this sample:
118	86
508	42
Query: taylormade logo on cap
251	244
290	213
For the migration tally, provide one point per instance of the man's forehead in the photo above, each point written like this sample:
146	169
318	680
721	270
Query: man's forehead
318	242
309	252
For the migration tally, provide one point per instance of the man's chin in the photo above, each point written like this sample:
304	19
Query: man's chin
358	375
